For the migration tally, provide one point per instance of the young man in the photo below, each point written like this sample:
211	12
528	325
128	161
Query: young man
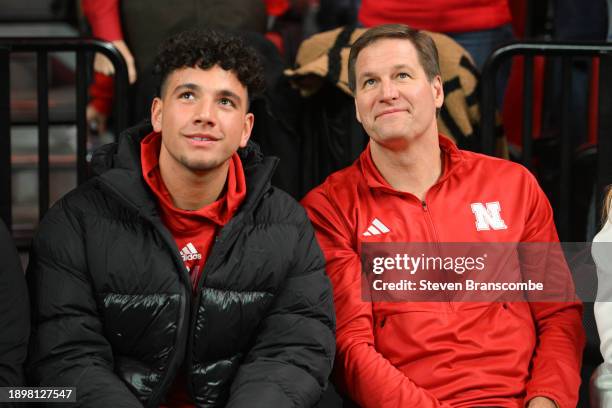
413	185
179	265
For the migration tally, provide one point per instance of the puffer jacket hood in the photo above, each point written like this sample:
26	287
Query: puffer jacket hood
105	157
118	164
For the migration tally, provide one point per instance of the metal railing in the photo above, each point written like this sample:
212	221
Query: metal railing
567	53
42	47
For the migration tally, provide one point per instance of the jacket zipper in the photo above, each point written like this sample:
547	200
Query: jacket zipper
185	305
437	242
432	227
211	262
225	237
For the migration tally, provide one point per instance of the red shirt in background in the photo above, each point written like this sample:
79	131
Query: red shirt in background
444	16
103	17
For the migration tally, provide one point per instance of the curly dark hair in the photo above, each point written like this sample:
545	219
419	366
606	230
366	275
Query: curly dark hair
206	48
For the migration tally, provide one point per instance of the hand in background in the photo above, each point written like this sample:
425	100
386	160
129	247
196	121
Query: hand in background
104	66
541	402
96	120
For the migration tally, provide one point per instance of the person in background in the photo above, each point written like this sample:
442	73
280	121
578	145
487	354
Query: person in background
601	381
128	25
179	276
478	25
14	313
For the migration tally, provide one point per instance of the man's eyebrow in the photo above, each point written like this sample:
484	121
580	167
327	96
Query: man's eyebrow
195	87
187	86
366	74
395	67
399	66
230	94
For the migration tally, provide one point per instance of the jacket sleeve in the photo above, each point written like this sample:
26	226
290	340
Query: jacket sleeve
68	347
103	17
101	93
360	370
556	362
14	313
293	353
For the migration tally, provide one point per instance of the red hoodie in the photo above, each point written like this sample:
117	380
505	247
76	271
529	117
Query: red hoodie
443	16
440	354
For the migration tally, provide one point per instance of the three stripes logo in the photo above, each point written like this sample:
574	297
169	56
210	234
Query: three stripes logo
190	253
376	228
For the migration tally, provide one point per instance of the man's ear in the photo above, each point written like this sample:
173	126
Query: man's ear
156	114
438	91
249	120
356	111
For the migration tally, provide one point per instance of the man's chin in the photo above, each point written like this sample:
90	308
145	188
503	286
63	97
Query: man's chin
392	140
206	166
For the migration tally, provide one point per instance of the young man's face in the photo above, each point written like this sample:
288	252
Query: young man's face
202	116
395	101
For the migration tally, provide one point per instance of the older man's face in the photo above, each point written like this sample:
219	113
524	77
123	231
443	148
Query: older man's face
395	101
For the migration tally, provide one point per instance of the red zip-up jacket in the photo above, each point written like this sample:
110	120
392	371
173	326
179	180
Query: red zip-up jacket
441	354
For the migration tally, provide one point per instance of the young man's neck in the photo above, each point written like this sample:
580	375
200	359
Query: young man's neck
192	190
413	169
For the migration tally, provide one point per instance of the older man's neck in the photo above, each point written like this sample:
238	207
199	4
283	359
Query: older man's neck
413	169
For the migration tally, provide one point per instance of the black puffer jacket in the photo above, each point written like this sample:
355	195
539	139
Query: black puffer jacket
114	314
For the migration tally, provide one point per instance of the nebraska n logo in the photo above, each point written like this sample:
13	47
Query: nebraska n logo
488	217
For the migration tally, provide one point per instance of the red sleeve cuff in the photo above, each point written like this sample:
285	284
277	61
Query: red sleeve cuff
101	93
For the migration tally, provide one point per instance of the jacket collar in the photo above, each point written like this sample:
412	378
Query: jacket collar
451	156
118	167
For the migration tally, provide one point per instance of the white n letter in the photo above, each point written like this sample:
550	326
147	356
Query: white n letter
488	217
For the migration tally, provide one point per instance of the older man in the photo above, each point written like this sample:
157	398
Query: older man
412	184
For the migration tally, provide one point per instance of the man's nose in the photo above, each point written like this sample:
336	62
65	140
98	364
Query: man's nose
388	91
205	112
